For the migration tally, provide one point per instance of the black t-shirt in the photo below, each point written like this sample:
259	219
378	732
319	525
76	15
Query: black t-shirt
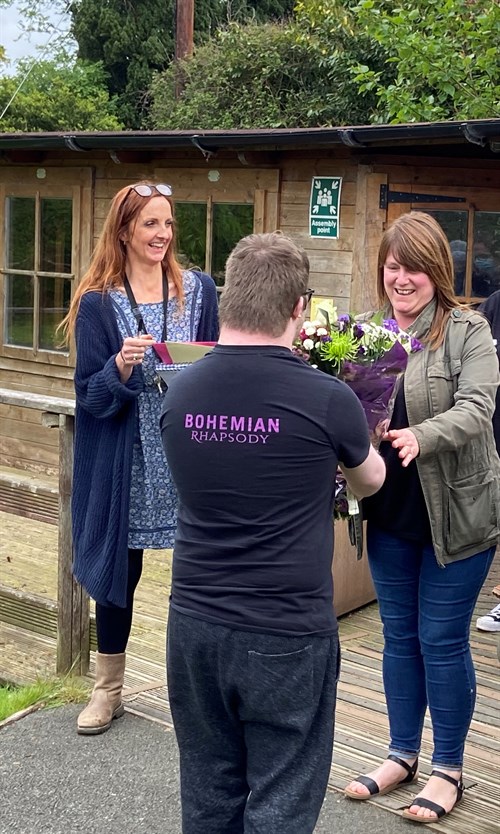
399	506
253	436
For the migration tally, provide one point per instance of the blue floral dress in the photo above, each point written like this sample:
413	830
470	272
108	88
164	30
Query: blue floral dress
153	497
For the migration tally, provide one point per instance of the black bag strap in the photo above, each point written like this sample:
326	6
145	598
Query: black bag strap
141	327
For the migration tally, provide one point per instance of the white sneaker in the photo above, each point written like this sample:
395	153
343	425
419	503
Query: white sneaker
491	621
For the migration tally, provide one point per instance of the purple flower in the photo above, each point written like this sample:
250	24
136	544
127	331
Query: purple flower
391	325
415	344
358	331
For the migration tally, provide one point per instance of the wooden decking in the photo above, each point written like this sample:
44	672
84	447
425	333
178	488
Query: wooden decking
28	561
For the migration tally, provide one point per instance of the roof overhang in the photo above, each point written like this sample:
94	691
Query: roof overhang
481	133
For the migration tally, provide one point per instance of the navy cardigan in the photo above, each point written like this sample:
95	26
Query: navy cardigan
105	421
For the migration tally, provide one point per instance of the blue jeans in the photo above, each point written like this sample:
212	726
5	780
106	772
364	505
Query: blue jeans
253	715
426	612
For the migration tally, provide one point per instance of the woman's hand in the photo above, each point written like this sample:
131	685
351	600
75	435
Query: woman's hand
132	353
406	442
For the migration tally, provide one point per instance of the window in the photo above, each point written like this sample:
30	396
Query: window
216	207
477	272
221	225
470	218
37	270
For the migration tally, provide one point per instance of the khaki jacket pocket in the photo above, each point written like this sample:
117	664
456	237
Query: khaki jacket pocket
471	515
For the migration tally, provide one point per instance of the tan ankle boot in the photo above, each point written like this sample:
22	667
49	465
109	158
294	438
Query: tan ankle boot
106	700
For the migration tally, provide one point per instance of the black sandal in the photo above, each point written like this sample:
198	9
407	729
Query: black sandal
421	802
374	789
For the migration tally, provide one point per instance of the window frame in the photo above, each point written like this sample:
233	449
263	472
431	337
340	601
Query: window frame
475	200
46	183
252	186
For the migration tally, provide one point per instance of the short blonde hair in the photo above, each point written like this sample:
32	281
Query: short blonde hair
265	276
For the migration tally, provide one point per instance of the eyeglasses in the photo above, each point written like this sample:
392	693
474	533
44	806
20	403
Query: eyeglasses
307	295
144	190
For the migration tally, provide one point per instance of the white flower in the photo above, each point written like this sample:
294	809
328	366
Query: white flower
310	331
321	331
306	324
308	344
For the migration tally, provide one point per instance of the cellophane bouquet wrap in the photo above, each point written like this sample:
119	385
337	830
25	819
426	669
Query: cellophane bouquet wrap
370	355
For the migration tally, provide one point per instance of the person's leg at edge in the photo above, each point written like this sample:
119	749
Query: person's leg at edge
113	626
204	704
288	715
447	600
395	566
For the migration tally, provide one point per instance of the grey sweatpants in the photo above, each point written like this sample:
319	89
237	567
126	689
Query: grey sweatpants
254	719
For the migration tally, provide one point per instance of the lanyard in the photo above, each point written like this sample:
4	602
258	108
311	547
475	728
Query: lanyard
141	327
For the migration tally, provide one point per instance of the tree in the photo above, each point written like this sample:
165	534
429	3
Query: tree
132	39
271	75
445	56
57	97
135	39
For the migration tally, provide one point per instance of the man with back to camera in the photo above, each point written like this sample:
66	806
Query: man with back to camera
253	436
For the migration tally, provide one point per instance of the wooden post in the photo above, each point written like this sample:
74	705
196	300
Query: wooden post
184	28
73	625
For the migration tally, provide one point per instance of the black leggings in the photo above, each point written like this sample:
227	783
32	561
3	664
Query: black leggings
113	624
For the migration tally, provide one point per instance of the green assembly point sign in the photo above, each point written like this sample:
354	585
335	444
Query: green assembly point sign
324	210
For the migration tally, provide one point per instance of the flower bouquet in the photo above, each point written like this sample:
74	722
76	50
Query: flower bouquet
369	355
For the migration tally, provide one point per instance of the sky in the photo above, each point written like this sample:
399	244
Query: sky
9	34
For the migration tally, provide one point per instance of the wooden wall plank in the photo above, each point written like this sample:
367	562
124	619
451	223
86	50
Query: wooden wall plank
30	456
30	433
303	170
18	380
331	285
14	412
331	263
370	227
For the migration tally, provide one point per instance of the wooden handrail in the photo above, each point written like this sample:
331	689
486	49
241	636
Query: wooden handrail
73	616
54	405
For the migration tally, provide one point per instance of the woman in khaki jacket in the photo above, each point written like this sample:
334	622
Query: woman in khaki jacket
433	527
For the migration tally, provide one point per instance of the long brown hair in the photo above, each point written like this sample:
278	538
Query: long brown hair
417	242
107	266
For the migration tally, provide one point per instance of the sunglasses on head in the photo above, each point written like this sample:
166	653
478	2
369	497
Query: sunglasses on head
144	190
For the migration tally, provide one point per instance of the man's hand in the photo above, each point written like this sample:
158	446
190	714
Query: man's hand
406	442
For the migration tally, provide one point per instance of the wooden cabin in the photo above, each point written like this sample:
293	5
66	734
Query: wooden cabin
332	189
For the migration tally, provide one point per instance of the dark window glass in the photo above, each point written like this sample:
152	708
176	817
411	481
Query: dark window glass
486	253
191	226
55	236
230	223
55	295
19	300
20	237
454	225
